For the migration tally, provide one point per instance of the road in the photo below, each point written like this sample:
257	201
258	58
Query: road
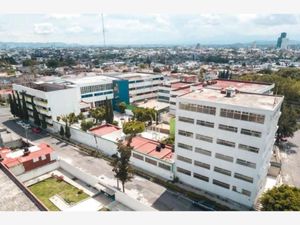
142	189
290	169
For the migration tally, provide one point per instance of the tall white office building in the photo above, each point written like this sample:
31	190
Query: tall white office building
224	141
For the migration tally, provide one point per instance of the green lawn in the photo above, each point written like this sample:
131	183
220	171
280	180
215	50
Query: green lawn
50	187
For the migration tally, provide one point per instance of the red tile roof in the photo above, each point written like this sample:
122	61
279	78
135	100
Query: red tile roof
104	129
45	149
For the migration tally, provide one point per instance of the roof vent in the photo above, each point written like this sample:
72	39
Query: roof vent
158	147
26	151
230	92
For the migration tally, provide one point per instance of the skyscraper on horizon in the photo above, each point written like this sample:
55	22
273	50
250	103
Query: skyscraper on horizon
282	41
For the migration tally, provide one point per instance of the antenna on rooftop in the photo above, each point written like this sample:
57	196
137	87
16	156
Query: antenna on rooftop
103	30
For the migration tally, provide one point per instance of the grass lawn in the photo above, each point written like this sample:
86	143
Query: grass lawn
49	187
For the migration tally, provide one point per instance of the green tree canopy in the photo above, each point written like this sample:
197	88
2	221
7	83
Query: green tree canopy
86	125
133	127
98	113
122	107
282	198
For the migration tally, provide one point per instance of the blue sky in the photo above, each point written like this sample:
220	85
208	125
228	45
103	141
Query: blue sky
148	28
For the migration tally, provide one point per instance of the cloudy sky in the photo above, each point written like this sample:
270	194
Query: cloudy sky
147	28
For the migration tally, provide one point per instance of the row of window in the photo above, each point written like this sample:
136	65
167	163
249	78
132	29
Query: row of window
95	88
96	94
198	108
218	156
239	115
151	161
219	141
221	126
233	114
215	182
143	87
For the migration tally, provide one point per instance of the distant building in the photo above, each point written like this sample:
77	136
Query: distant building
282	41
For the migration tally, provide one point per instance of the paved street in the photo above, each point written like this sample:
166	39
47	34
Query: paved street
291	161
146	191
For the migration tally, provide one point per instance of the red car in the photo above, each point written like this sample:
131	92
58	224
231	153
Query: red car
36	130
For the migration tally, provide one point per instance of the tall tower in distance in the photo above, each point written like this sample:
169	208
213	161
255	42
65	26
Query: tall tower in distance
103	30
282	41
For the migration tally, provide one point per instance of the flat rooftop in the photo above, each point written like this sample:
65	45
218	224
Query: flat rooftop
104	129
12	198
243	86
153	103
88	79
148	147
256	101
135	76
46	87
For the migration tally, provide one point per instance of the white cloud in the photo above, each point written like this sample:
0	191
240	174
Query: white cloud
63	16
44	28
75	29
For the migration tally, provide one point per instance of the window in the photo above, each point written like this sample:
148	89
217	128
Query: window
185	133
248	148
184	159
224	157
222	171
246	163
201	177
203	151
184	146
137	156
87	96
246	116
186	172
186	119
228	128
250	132
243	177
205	123
151	161
226	143
164	166
243	192
221	184
198	108
204	138
201	164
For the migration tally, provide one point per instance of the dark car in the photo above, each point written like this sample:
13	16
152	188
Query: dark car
36	130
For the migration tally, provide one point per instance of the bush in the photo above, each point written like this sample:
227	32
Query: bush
86	125
116	123
80	192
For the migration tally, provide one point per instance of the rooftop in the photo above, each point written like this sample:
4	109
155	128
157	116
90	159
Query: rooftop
12	197
104	129
134	76
257	101
153	103
46	87
148	147
88	79
13	158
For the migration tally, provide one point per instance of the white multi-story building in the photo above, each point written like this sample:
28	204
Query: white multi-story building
224	141
50	100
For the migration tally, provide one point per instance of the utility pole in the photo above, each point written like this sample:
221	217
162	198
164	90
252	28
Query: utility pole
103	30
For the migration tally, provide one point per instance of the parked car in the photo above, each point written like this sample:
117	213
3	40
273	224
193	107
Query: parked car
36	130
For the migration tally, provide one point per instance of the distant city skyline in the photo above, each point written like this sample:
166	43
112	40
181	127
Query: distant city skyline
140	29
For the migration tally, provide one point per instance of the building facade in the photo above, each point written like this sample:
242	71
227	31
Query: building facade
224	141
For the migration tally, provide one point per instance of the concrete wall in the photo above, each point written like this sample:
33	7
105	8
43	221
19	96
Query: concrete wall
38	172
106	146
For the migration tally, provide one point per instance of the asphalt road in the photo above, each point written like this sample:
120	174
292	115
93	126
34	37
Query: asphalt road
142	189
290	169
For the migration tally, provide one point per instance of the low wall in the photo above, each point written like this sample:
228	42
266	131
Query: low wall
38	172
131	203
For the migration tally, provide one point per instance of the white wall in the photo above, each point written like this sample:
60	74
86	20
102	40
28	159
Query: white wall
38	172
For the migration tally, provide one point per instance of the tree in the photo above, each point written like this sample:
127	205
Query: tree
86	125
122	169
287	123
67	131
282	198
36	117
72	118
144	114
133	127
80	116
20	114
24	108
109	114
156	70
62	131
122	107
12	105
98	114
44	123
